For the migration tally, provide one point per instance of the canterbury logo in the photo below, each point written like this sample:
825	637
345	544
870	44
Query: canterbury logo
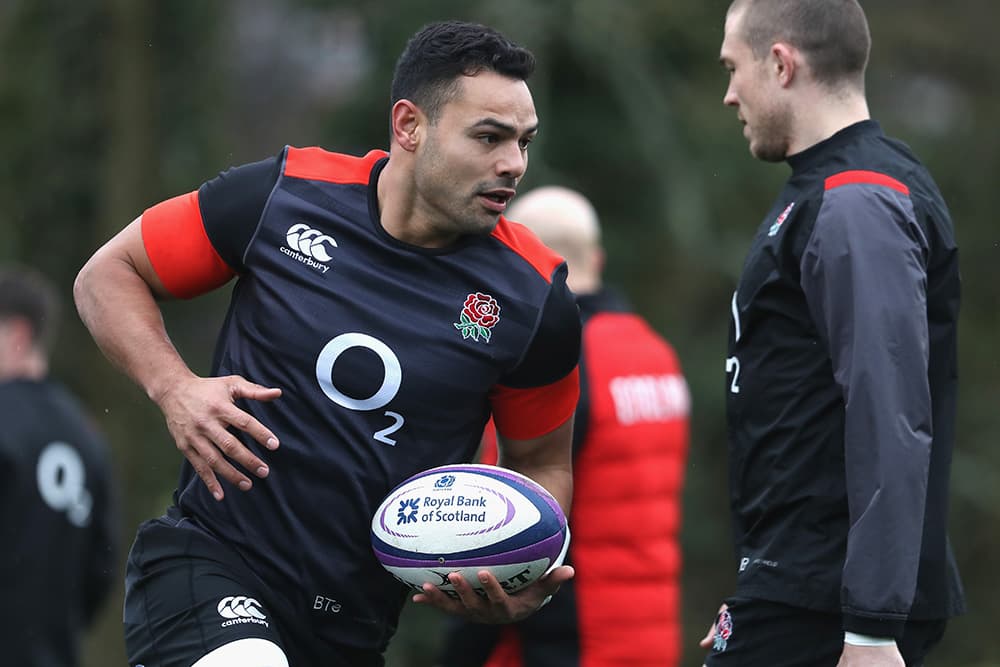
240	606
310	242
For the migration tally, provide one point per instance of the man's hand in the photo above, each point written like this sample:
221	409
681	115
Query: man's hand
709	639
199	412
497	606
871	656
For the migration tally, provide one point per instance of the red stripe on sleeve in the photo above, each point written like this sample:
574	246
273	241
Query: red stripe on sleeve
524	414
518	238
179	249
870	177
316	164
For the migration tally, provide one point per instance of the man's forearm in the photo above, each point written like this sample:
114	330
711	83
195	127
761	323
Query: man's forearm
547	460
120	311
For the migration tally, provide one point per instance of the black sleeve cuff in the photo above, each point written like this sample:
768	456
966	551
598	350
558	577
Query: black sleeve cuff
875	626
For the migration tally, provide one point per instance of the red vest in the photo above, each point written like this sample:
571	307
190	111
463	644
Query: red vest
626	514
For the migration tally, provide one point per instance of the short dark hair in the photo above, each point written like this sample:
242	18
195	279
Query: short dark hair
26	293
428	69
833	35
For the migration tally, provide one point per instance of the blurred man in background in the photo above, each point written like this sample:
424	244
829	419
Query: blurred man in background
57	512
630	443
842	363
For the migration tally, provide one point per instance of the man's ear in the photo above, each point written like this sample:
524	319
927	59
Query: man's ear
407	124
600	260
785	62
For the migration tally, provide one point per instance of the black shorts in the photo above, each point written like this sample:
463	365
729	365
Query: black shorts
760	633
186	595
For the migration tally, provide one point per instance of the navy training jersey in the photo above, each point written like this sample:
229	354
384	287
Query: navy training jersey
390	358
841	384
58	524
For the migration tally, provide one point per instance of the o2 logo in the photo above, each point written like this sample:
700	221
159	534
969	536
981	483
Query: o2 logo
61	481
392	378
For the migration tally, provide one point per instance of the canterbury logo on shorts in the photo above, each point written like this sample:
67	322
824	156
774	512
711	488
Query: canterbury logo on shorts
241	609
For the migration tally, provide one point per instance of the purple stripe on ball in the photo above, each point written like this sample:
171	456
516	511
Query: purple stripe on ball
549	548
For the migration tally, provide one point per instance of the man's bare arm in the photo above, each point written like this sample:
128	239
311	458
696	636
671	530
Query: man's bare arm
116	294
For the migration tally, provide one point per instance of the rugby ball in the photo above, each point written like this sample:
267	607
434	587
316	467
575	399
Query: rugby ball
466	518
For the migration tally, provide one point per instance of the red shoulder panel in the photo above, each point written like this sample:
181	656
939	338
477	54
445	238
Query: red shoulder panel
521	240
316	164
861	176
179	248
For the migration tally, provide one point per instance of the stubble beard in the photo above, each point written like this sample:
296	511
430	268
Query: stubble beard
770	140
458	213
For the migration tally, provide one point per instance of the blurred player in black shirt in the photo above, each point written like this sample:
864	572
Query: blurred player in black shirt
841	374
57	518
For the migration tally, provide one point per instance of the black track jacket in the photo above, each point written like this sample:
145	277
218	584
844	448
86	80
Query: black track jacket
841	384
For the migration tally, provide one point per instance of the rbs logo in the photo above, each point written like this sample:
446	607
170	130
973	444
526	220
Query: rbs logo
407	511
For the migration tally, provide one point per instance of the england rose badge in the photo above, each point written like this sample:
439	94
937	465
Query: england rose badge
480	314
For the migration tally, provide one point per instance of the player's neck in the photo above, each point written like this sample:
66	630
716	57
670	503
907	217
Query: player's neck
23	367
827	115
21	356
401	212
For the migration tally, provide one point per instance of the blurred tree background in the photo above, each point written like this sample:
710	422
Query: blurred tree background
107	106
